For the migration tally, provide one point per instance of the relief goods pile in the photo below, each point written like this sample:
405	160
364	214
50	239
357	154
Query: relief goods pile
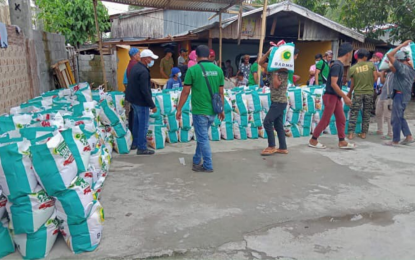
55	153
245	109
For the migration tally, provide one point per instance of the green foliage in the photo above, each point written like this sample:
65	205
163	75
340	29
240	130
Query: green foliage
370	14
73	18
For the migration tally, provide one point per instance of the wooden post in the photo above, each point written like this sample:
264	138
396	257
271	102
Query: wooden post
100	45
210	39
220	40
263	27
239	24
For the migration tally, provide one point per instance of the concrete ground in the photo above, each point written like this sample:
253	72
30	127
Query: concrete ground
310	204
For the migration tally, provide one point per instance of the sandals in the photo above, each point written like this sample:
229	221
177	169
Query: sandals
391	144
376	133
268	151
349	146
386	137
362	135
407	142
282	151
317	146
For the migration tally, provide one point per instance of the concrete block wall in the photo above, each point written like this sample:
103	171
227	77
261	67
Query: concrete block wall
90	70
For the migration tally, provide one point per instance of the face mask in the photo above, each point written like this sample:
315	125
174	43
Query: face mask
376	62
179	74
150	64
317	61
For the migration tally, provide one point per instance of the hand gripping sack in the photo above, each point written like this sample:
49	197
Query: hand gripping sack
74	204
79	147
86	236
28	213
17	177
37	245
6	242
282	57
54	164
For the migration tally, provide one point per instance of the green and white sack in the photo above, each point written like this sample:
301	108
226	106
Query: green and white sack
186	121
122	145
79	147
105	159
9	123
86	236
214	133
99	185
107	114
242	120
37	245
156	136
84	94
296	130
6	242
282	57
295	98
17	177
252	132
226	130
253	101
168	102
171	122
118	99
241	104
28	213
186	136
54	164
254	118
172	137
265	101
32	133
74	204
3	201
88	177
119	130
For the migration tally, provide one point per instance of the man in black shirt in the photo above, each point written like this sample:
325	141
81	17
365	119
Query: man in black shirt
138	93
332	101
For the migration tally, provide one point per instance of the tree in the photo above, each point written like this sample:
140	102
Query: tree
73	18
371	15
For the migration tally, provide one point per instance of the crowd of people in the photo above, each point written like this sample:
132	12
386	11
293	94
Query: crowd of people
199	72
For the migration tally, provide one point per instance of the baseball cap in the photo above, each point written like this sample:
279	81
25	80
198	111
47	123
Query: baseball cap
345	48
147	53
401	55
203	51
329	52
183	50
212	53
355	54
379	55
133	51
174	71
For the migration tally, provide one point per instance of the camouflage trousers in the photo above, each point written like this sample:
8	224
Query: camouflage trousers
359	101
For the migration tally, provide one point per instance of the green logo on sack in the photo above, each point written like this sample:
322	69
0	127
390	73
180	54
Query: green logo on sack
286	55
62	150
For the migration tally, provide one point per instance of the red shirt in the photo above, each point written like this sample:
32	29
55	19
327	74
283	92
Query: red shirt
130	66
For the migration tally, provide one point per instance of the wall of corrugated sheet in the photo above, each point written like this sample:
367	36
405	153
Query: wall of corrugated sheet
147	25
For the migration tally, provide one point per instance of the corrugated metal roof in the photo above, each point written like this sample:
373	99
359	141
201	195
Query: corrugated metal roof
193	5
288	6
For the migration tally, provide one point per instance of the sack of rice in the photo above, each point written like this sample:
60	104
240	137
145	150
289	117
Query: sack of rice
172	137
122	145
107	114
79	147
84	94
167	102
37	245
296	130
309	103
98	185
31	133
253	101
243	133
74	204
17	177
282	57
118	99
28	213
98	94
226	131
262	133
214	133
265	101
242	120
295	98
252	132
54	164
306	122
241	104
254	118
9	123
88	177
172	123
85	236
156	136
3	201
6	242
186	136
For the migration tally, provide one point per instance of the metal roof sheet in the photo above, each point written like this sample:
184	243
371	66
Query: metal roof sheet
191	5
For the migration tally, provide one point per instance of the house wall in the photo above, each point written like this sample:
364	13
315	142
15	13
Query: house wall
146	25
231	31
90	70
123	60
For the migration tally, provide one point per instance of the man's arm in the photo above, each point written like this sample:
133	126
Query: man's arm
316	76
382	77
263	59
391	55
375	76
351	88
183	97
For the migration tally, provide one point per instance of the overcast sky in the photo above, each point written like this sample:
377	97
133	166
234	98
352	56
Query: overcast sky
115	8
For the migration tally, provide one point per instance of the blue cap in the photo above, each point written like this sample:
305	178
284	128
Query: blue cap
174	71
133	51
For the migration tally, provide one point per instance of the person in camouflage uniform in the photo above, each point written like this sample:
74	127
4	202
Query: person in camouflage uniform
275	115
363	75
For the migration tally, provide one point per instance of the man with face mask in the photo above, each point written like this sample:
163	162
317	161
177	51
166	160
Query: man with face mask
138	93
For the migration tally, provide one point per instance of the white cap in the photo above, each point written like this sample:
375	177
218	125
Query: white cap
147	53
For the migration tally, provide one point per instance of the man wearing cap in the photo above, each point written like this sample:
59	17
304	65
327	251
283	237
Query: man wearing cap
202	108
323	68
333	103
174	81
166	64
404	76
212	56
134	58
138	93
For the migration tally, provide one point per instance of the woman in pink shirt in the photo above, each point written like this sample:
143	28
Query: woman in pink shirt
312	78
192	59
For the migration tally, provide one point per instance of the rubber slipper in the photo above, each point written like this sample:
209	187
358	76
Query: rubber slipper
282	151
391	144
386	137
407	142
317	146
349	146
375	133
361	136
268	152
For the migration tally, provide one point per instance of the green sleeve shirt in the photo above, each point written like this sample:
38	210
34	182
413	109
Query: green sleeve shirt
201	98
362	74
324	69
251	79
167	65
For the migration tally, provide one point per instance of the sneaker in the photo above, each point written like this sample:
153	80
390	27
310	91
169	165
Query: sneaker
145	152
200	168
133	147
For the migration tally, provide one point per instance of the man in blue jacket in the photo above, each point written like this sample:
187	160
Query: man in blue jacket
138	93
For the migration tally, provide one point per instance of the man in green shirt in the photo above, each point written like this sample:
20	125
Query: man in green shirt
253	78
202	109
363	75
323	69
166	64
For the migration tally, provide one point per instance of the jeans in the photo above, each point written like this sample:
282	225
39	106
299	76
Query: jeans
201	123
140	126
332	105
398	121
274	119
